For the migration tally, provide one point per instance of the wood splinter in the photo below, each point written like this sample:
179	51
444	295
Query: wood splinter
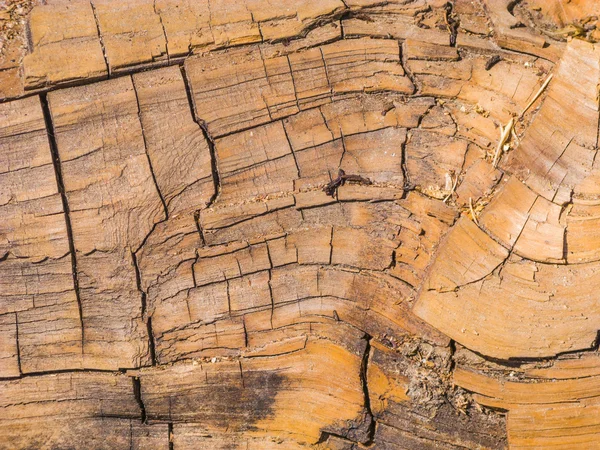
452	189
505	132
509	131
537	95
473	211
514	135
331	187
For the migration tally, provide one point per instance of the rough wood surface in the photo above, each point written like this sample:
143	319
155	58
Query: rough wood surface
304	224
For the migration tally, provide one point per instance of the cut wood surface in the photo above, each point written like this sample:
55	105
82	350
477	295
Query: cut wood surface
327	224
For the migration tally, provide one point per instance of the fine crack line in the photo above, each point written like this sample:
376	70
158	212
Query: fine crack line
18	346
130	435
228	291
293	81
292	152
101	39
164	31
271	295
245	332
331	247
139	113
61	189
326	73
148	319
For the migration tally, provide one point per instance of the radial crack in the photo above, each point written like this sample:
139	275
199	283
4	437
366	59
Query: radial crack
65	203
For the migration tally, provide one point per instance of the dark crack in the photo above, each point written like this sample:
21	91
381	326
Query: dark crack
211	147
63	195
137	392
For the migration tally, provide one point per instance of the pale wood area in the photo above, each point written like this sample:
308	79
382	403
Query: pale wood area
327	224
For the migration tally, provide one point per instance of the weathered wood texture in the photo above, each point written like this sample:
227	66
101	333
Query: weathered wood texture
258	224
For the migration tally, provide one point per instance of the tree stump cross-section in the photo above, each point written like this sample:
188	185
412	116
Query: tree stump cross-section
311	224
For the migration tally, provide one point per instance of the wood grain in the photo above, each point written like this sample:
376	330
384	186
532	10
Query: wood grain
257	225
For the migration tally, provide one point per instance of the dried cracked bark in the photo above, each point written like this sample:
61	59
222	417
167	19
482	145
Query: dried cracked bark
269	224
